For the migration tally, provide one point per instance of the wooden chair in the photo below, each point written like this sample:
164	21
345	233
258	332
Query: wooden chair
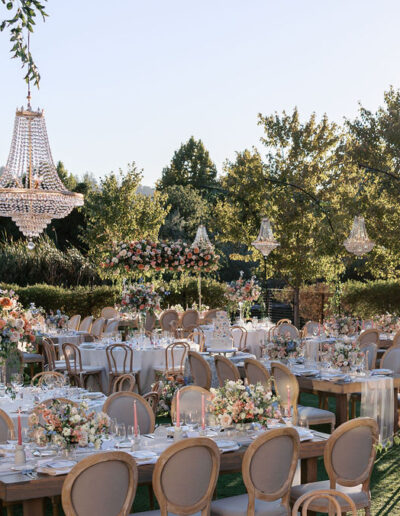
396	339
97	328
283	321
152	399
111	326
226	370
197	336
190	320
101	485
109	312
45	376
256	372
268	487
271	332
120	367
311	328
77	374
283	379
124	383
391	359
169	320
171	368
284	329
349	458
7	430
50	359
73	323
368	337
86	324
242	339
200	369
190	403
185	476
120	406
331	496
150	322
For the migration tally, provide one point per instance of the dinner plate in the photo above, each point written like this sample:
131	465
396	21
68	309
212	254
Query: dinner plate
143	455
222	443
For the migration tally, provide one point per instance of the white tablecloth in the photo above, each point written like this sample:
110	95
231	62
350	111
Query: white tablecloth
70	337
254	343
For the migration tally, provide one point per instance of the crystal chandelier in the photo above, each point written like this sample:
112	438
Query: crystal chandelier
201	239
31	193
358	242
265	242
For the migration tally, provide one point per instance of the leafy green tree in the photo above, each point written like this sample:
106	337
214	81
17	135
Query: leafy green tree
191	165
116	212
23	14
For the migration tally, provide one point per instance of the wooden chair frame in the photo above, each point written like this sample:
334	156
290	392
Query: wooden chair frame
62	401
389	350
49	352
127	367
193	324
40	377
193	355
260	367
281	321
210	315
169	327
99	322
170	350
284	491
5	417
87	320
331	495
305	327
121	380
199	334
182	390
77	375
109	312
368	332
292	383
88	462
234	369
243	337
204	503
74	318
133	397
279	327
152	399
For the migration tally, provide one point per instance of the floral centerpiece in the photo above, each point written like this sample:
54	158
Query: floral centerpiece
242	293
343	355
140	298
166	389
387	323
283	347
58	319
342	326
236	403
68	426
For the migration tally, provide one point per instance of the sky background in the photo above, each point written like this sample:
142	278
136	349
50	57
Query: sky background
130	80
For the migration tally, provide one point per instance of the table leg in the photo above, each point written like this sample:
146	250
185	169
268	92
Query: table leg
342	409
34	507
309	470
396	410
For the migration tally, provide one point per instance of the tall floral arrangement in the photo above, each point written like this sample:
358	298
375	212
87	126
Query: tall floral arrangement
237	403
67	426
141	298
242	292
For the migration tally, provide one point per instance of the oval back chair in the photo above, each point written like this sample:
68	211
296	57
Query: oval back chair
331	495
200	369
391	359
190	400
226	370
256	372
48	377
120	406
111	326
108	312
311	328
284	329
73	323
7	430
210	315
190	319
370	350
169	320
86	324
283	321
150	322
368	337
97	327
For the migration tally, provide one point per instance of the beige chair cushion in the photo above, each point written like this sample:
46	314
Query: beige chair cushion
315	414
237	506
359	497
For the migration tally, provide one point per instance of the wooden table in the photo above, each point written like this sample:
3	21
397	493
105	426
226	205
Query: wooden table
341	391
15	487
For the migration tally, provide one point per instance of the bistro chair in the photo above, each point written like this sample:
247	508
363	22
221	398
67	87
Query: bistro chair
190	398
284	379
331	495
48	376
50	360
184	478
226	370
150	322
268	468
124	383
256	372
242	340
190	320
120	406
103	484
200	370
77	374
111	327
169	320
368	337
174	366
197	336
311	329
283	321
120	362
349	458
391	359
152	399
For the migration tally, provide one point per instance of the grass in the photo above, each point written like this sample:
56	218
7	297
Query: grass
385	481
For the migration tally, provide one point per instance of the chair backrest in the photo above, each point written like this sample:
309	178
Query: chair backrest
73	323
73	358
331	495
197	336
279	449
282	321
49	353
120	406
284	329
108	312
86	324
112	326
200	369
185	476
119	358
311	328
391	359
239	336
7	430
172	363
103	484
396	339
370	349
124	383
48	376
350	452
152	399
190	399
256	372
150	322
167	318
97	327
272	332
190	319
286	387
226	370
368	337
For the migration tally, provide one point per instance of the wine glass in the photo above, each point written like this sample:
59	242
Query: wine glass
120	434
17	381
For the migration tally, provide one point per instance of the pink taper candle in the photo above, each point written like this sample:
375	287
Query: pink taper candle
203	413
178	409
289	409
19	428
135	425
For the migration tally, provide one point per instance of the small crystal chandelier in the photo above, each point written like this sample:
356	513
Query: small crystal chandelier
31	193
201	238
358	242
265	242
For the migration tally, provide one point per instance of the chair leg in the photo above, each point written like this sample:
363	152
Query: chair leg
54	504
10	511
151	496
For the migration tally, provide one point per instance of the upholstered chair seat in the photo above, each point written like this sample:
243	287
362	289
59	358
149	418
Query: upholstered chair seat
237	506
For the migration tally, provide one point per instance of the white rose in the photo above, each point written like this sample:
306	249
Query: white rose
66	432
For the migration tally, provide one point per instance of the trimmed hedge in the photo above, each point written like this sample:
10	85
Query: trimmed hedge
184	292
371	298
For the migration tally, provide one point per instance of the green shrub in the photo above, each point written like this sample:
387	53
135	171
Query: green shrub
185	292
371	298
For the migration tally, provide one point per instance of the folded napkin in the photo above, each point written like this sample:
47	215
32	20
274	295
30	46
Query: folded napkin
144	457
56	467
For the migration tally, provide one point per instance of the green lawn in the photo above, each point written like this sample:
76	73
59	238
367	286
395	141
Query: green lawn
385	485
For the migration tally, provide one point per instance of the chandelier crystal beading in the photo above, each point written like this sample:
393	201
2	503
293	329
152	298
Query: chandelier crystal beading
358	242
201	239
265	242
31	193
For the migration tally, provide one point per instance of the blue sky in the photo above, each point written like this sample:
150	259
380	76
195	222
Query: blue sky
130	80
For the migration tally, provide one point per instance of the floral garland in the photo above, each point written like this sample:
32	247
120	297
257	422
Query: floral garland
141	298
242	291
148	256
238	403
282	347
67	426
343	355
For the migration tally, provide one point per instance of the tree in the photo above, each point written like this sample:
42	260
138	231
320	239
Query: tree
23	17
191	165
288	188
116	212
